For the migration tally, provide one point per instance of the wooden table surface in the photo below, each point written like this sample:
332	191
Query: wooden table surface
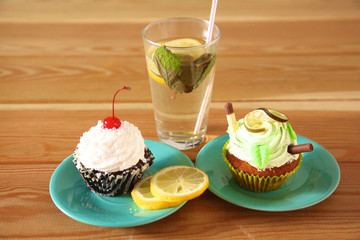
61	61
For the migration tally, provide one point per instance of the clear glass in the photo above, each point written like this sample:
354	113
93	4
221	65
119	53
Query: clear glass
181	103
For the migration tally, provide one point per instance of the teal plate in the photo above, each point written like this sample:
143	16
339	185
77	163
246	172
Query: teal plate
71	195
316	179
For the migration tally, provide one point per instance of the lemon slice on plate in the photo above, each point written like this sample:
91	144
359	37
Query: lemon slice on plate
179	183
144	199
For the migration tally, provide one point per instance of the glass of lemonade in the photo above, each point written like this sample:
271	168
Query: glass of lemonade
181	69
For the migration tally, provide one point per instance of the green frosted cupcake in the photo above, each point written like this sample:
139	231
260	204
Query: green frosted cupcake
259	152
255	181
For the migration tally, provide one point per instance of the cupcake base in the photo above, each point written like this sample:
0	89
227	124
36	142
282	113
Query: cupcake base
256	183
114	183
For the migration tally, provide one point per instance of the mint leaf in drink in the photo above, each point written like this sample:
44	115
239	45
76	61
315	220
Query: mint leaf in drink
203	66
181	72
187	73
195	71
167	59
169	68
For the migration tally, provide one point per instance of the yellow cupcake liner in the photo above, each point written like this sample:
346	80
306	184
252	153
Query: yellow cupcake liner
255	183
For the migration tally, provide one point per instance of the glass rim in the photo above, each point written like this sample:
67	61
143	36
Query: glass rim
204	45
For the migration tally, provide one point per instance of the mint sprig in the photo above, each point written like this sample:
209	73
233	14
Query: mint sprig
169	68
181	72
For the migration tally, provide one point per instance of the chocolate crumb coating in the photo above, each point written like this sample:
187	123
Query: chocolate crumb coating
115	183
269	172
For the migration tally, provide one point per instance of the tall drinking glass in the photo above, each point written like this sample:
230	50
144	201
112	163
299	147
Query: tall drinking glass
181	69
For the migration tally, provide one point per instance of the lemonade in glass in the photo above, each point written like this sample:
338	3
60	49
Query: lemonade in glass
181	69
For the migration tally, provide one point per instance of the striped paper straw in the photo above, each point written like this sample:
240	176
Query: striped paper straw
208	89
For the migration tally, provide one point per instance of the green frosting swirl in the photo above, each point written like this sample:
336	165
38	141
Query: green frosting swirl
265	149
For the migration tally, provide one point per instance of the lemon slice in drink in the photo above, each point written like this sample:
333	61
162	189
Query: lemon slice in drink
153	70
254	120
144	199
182	42
186	42
156	77
179	183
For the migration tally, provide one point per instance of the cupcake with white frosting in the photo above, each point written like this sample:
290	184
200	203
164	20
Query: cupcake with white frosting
112	160
112	156
260	151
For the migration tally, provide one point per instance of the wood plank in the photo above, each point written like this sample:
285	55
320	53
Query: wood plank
294	78
46	136
312	105
274	61
49	80
23	204
135	11
248	38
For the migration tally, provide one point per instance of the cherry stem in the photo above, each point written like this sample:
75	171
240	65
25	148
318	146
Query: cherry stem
113	105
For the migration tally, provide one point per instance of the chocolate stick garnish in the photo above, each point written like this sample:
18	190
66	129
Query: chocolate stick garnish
229	108
230	117
295	149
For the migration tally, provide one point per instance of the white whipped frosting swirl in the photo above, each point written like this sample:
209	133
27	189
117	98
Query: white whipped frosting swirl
111	150
275	135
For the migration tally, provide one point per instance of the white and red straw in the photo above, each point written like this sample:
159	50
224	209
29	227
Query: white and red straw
208	89
211	20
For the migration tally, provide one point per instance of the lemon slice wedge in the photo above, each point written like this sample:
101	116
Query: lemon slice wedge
155	77
144	199
254	121
179	183
276	115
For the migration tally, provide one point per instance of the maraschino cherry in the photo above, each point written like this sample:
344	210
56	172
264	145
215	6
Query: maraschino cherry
114	122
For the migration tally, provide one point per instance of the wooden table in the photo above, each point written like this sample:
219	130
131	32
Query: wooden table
61	61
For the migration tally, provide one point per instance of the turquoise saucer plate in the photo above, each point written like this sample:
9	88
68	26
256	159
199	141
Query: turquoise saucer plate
316	179
71	195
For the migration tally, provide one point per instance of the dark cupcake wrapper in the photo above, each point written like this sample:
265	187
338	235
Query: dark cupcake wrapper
114	183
